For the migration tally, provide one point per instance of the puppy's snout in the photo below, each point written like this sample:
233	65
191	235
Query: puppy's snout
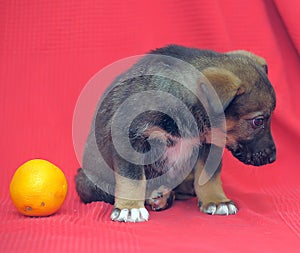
256	158
272	156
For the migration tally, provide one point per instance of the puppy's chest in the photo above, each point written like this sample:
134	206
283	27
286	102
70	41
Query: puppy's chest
181	151
176	159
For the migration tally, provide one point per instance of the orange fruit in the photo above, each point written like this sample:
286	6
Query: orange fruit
38	188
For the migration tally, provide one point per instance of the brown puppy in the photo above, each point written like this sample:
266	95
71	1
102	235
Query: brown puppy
159	131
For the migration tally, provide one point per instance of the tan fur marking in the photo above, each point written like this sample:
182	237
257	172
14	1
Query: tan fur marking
225	83
259	60
210	192
219	138
129	193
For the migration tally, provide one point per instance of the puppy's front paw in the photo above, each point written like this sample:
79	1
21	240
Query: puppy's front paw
130	215
222	208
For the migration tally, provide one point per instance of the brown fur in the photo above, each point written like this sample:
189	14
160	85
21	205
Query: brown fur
247	99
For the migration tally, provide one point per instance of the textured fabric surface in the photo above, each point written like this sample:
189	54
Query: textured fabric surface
48	52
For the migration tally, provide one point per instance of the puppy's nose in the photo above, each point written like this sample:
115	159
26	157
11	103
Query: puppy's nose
272	157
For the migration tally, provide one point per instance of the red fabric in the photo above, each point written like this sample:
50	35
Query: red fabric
48	52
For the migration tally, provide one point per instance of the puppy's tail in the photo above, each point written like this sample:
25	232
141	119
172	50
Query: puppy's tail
88	191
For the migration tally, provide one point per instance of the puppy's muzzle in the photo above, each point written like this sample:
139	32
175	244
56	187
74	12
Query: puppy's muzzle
258	158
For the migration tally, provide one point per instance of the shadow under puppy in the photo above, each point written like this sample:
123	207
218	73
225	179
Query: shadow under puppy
161	154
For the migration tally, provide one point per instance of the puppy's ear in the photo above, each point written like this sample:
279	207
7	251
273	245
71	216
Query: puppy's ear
226	84
259	60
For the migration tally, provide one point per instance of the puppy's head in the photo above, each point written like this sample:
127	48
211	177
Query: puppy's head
248	100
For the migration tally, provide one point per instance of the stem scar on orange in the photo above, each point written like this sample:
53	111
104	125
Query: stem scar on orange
38	188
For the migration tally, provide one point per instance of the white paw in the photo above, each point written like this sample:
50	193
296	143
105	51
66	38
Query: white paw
225	208
130	215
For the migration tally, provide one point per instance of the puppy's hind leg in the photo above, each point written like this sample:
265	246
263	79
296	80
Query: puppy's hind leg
88	191
161	199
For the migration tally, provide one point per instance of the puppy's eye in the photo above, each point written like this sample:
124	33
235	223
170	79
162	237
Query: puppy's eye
258	122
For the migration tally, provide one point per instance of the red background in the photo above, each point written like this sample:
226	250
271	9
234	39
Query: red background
48	52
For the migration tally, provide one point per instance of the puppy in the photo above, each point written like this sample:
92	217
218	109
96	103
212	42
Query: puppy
159	131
